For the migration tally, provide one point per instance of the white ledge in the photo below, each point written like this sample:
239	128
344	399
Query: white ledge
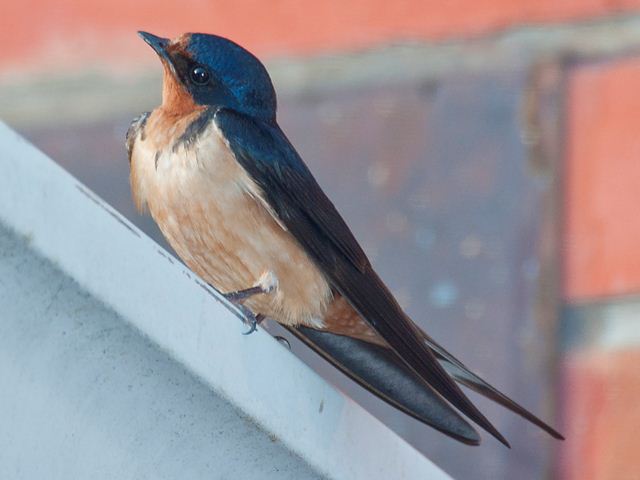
116	263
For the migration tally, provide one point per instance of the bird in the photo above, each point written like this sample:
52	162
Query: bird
240	207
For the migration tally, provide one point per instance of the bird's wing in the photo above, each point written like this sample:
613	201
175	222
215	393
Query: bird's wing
303	208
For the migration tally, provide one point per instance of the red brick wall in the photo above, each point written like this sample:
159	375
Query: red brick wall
602	247
601	385
70	31
602	416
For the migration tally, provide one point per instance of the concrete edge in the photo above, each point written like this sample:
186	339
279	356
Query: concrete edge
86	238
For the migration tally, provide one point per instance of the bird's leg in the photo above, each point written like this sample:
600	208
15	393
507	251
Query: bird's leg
267	283
241	295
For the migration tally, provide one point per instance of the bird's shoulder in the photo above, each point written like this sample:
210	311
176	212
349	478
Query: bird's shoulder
136	128
289	187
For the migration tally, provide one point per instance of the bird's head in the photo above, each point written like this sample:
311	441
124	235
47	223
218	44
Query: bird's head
207	70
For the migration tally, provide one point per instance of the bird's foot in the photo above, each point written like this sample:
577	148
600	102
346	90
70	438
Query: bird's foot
252	320
267	283
248	317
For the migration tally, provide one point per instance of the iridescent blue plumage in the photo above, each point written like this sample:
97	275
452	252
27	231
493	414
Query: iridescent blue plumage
238	71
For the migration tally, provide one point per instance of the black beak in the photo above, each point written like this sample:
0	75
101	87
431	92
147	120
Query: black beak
158	44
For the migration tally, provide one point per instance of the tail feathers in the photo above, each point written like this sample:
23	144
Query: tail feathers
463	375
378	370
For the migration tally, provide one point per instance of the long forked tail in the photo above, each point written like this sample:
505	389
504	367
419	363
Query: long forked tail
379	371
466	377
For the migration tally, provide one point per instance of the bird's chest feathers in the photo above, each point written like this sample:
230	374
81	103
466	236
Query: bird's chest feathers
216	218
173	174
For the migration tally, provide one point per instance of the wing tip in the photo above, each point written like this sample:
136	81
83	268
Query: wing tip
493	431
554	433
471	441
467	434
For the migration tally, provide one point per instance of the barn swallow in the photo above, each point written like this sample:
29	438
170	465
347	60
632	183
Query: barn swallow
240	207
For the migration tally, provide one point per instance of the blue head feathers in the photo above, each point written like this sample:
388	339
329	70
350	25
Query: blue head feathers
218	72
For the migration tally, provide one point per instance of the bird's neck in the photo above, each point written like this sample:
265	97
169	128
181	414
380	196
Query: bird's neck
176	100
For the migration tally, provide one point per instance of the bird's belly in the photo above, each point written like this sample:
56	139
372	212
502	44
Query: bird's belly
212	217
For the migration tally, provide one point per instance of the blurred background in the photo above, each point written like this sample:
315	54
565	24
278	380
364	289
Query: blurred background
486	153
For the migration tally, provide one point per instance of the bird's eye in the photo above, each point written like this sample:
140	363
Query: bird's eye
199	75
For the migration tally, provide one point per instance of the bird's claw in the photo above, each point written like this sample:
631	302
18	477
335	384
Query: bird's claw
267	283
250	319
252	329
